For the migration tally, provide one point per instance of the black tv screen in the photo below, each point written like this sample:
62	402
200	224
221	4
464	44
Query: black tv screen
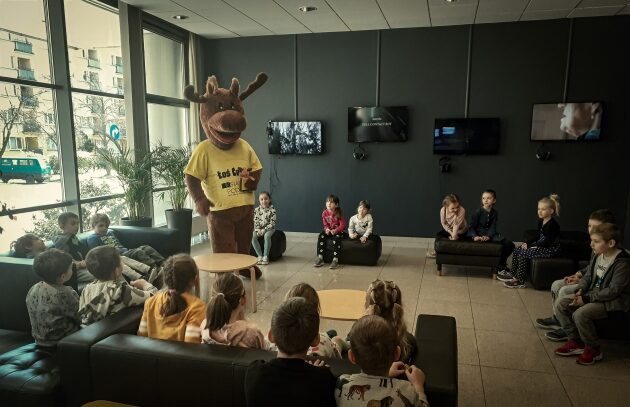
303	138
566	121
466	136
377	124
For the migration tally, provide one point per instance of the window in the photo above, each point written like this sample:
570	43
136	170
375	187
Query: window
24	41
168	125
164	65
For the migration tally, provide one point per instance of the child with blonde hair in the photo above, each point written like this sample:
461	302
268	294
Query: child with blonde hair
225	322
326	347
175	314
453	220
546	244
264	226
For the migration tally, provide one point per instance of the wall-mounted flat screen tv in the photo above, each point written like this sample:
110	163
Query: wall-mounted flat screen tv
304	138
377	124
466	136
567	121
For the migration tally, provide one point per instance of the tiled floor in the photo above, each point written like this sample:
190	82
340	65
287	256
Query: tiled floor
503	358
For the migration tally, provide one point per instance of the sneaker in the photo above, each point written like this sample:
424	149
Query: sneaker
548	323
514	283
260	259
589	356
264	261
431	254
319	262
334	264
557	335
570	348
504	275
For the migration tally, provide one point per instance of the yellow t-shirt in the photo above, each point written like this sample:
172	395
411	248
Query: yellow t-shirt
219	171
183	326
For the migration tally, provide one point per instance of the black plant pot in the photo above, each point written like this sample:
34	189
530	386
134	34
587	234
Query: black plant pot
145	221
182	221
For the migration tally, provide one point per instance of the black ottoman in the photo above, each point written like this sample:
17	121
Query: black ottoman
467	253
355	252
278	245
29	376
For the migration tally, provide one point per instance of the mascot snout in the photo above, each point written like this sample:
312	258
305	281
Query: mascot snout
226	127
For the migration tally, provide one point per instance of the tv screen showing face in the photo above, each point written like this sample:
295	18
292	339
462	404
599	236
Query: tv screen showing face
377	124
303	138
466	136
566	121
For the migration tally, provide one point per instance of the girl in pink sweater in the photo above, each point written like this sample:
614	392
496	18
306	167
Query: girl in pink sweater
334	228
453	220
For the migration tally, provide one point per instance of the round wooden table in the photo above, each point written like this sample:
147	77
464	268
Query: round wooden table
229	263
342	305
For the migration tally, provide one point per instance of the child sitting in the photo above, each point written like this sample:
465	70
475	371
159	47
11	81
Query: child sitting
546	244
604	290
68	242
175	314
52	306
326	347
375	349
104	236
109	293
453	220
27	246
361	224
483	226
289	380
264	225
225	322
334	226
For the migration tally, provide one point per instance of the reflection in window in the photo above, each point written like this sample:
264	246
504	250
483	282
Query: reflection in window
24	41
27	125
163	58
168	125
89	49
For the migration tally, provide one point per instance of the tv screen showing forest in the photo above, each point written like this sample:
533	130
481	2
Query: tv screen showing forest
303	138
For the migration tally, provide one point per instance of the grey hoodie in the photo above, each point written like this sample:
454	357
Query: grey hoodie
614	290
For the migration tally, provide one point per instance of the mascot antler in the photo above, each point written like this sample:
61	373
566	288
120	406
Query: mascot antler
190	94
261	78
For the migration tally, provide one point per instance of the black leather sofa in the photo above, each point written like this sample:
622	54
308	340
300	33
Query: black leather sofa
278	245
355	252
575	252
467	253
30	375
141	371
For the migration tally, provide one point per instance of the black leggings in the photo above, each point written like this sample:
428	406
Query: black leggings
321	243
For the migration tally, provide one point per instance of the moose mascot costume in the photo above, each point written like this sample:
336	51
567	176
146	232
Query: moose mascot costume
223	171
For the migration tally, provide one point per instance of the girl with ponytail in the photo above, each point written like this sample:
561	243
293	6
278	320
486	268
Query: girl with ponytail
175	314
225	322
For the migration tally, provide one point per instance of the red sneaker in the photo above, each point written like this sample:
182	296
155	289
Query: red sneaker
589	356
570	348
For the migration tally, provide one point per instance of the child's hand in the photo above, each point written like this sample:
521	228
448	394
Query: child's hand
260	232
363	239
453	237
333	232
484	238
477	238
572	279
416	378
353	235
317	363
140	284
524	246
327	231
396	369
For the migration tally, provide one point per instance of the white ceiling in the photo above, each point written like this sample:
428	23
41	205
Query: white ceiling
245	18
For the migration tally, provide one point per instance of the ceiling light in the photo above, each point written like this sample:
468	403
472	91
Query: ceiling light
180	17
306	9
450	1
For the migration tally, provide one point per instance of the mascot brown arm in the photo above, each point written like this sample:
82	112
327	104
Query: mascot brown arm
202	203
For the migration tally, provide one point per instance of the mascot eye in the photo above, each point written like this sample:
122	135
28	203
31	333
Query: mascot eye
220	106
232	106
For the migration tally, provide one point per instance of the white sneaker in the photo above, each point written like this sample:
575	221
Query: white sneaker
264	261
260	259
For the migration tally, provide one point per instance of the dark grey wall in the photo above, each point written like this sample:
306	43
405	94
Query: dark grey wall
513	66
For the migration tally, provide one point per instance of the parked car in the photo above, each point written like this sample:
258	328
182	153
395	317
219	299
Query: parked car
29	168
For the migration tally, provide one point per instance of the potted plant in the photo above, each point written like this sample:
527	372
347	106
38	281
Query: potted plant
134	176
168	167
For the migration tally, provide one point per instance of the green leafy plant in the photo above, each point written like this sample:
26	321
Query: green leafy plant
168	167
133	175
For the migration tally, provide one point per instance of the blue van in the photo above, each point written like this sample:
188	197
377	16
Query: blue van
30	169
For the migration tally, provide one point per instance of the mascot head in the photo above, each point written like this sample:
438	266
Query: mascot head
221	111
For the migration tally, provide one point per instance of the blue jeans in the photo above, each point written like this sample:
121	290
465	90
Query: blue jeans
267	237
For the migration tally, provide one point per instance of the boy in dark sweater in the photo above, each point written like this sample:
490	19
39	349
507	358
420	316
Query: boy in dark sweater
68	242
289	380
